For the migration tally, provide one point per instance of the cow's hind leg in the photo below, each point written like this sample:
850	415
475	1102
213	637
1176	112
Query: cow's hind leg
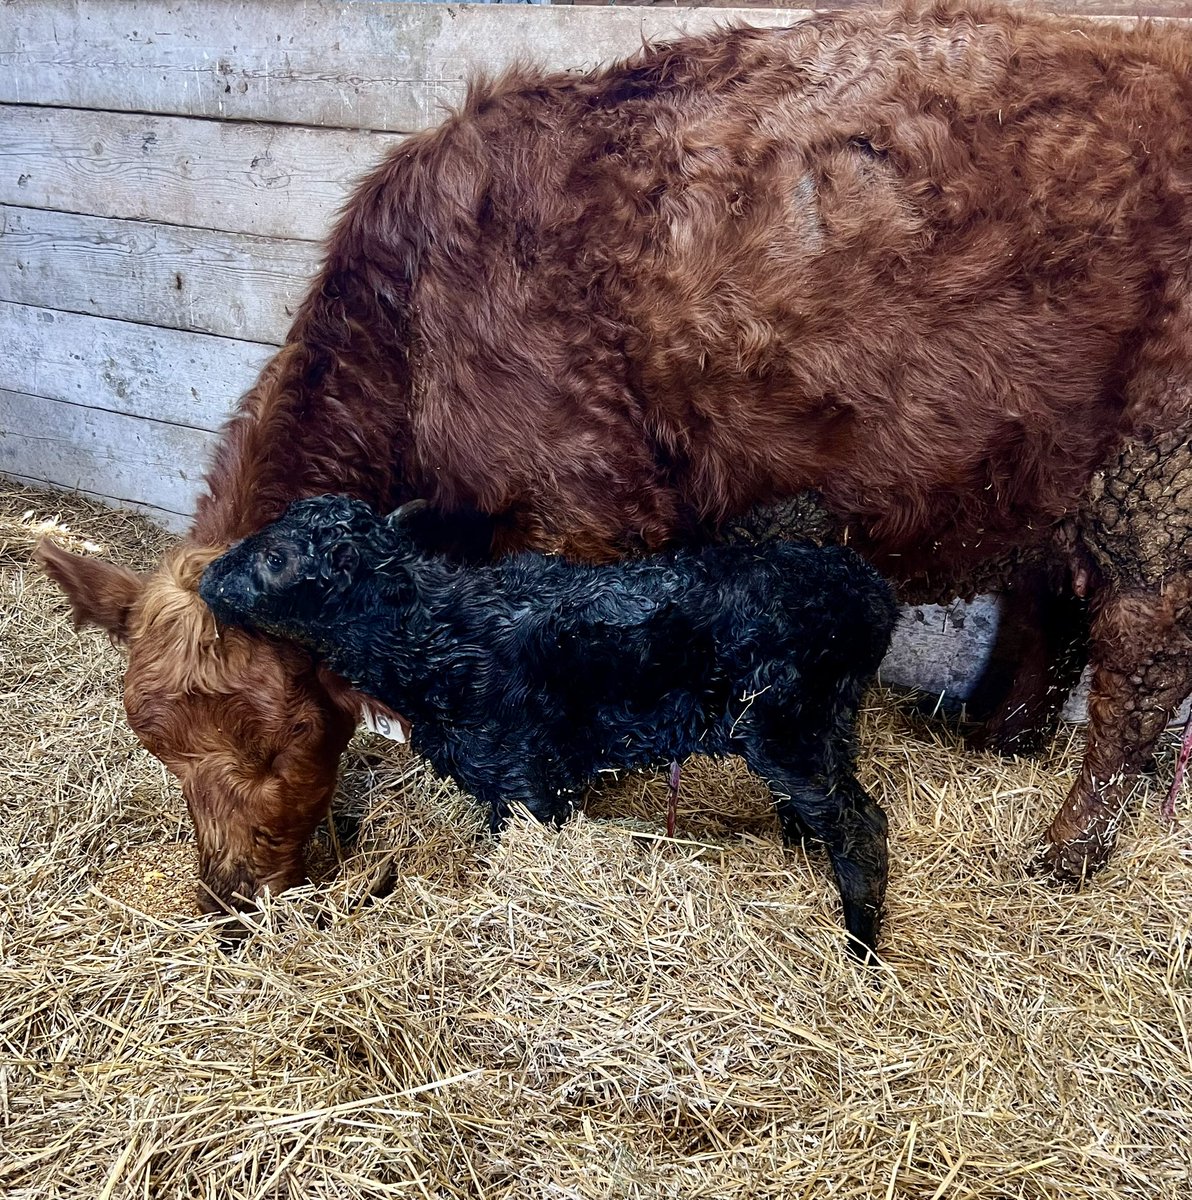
1142	670
1136	539
1038	654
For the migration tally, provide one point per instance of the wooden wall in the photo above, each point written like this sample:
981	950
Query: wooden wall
166	173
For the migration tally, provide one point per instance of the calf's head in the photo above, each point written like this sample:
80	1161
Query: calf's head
250	726
286	578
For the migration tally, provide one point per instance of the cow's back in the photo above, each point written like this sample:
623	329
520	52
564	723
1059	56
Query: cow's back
914	261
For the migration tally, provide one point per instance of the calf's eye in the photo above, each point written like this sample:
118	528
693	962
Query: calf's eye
275	561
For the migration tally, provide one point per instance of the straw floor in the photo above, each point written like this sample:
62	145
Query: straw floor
591	1013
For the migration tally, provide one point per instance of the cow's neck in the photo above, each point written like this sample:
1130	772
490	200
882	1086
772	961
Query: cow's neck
329	413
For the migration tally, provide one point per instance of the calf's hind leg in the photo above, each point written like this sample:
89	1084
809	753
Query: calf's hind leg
852	827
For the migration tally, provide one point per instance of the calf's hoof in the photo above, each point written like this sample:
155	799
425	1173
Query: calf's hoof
863	922
863	954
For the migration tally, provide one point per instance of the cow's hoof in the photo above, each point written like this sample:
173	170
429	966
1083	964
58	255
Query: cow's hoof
1075	860
1008	738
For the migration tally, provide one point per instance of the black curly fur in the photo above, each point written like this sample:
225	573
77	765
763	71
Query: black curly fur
526	677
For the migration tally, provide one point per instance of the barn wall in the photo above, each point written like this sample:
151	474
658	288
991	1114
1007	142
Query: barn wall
166	173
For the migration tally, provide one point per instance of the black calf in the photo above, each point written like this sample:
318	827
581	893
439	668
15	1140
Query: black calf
525	677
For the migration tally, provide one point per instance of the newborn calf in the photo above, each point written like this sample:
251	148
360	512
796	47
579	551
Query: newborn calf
525	677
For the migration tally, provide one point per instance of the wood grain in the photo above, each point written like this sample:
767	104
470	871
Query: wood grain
138	370
103	453
356	65
228	284
270	180
1178	9
174	522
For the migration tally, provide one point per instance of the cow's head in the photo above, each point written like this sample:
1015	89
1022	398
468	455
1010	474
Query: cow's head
250	726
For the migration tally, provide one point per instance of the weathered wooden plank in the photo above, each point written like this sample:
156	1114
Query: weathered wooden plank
356	65
229	284
139	370
269	180
941	649
172	521
104	453
1089	8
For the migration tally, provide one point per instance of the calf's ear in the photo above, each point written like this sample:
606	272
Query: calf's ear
345	557
100	593
398	515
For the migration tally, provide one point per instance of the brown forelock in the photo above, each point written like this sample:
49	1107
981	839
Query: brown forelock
180	651
176	634
243	721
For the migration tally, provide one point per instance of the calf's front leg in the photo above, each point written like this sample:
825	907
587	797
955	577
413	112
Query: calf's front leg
507	776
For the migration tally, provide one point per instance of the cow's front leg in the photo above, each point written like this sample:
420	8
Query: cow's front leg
1142	670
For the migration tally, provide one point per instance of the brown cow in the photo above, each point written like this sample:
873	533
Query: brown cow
933	264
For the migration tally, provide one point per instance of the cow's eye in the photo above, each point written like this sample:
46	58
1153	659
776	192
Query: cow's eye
275	560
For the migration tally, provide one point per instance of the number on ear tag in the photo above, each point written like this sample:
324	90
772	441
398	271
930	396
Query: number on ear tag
380	723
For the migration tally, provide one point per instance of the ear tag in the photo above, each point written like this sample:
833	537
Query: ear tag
379	722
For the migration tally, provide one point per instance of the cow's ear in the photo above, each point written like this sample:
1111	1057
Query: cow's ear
100	593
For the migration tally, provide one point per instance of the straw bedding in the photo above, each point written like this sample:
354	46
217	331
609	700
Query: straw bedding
593	1012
